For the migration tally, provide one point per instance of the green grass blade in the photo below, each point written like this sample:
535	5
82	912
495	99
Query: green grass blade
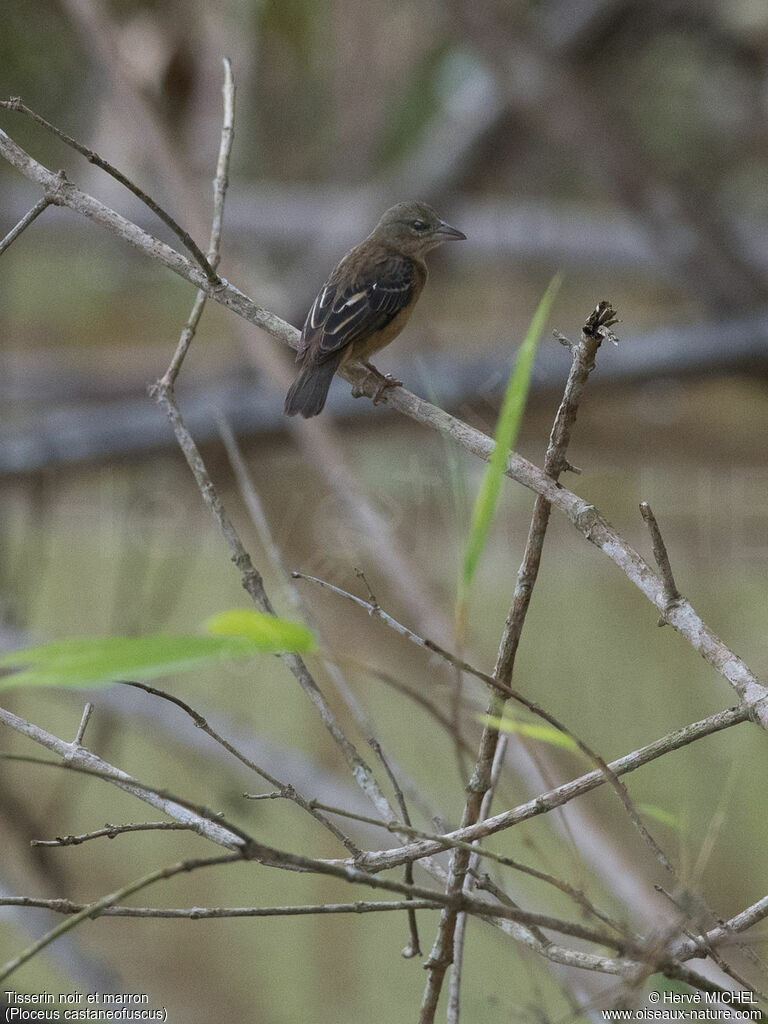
544	733
505	437
95	661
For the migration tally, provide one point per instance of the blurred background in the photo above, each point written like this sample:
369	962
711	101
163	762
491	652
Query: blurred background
623	144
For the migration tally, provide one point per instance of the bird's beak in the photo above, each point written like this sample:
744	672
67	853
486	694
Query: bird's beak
448	232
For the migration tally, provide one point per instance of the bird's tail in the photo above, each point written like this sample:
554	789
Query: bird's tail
309	391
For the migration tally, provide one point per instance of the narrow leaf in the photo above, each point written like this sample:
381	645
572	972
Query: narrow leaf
94	661
505	437
264	631
545	733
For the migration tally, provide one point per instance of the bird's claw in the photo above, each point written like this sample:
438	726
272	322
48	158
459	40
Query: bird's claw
386	383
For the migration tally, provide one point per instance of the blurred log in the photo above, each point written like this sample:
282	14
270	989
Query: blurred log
328	219
76	417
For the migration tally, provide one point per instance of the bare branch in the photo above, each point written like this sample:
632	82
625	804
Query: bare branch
284	790
59	906
672	595
80	759
26	220
111	832
582	515
220	183
560	795
15	103
87	712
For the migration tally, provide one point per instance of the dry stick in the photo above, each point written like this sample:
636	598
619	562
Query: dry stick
582	515
60	906
94	909
480	852
163	393
15	103
111	832
245	841
381	860
284	790
26	220
81	759
672	595
583	363
413	948
513	920
84	720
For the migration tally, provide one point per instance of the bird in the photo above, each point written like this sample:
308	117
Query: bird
365	303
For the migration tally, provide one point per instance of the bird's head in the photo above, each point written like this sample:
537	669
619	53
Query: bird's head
414	228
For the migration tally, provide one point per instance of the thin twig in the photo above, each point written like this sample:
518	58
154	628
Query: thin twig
87	712
15	103
672	595
220	184
78	758
375	610
284	790
583	516
26	220
380	860
94	909
59	906
413	948
111	832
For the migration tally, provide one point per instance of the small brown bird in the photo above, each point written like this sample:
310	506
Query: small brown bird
366	302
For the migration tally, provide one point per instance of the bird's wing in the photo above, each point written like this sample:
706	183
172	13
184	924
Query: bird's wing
348	310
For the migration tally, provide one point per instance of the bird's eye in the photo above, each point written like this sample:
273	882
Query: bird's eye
419	225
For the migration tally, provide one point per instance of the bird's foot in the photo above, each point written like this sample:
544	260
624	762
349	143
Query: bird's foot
386	383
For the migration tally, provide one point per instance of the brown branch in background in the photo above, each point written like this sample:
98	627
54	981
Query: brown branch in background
15	103
26	220
413	948
253	503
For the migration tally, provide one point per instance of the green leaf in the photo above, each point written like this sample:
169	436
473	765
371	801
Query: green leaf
505	437
545	733
264	631
94	661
